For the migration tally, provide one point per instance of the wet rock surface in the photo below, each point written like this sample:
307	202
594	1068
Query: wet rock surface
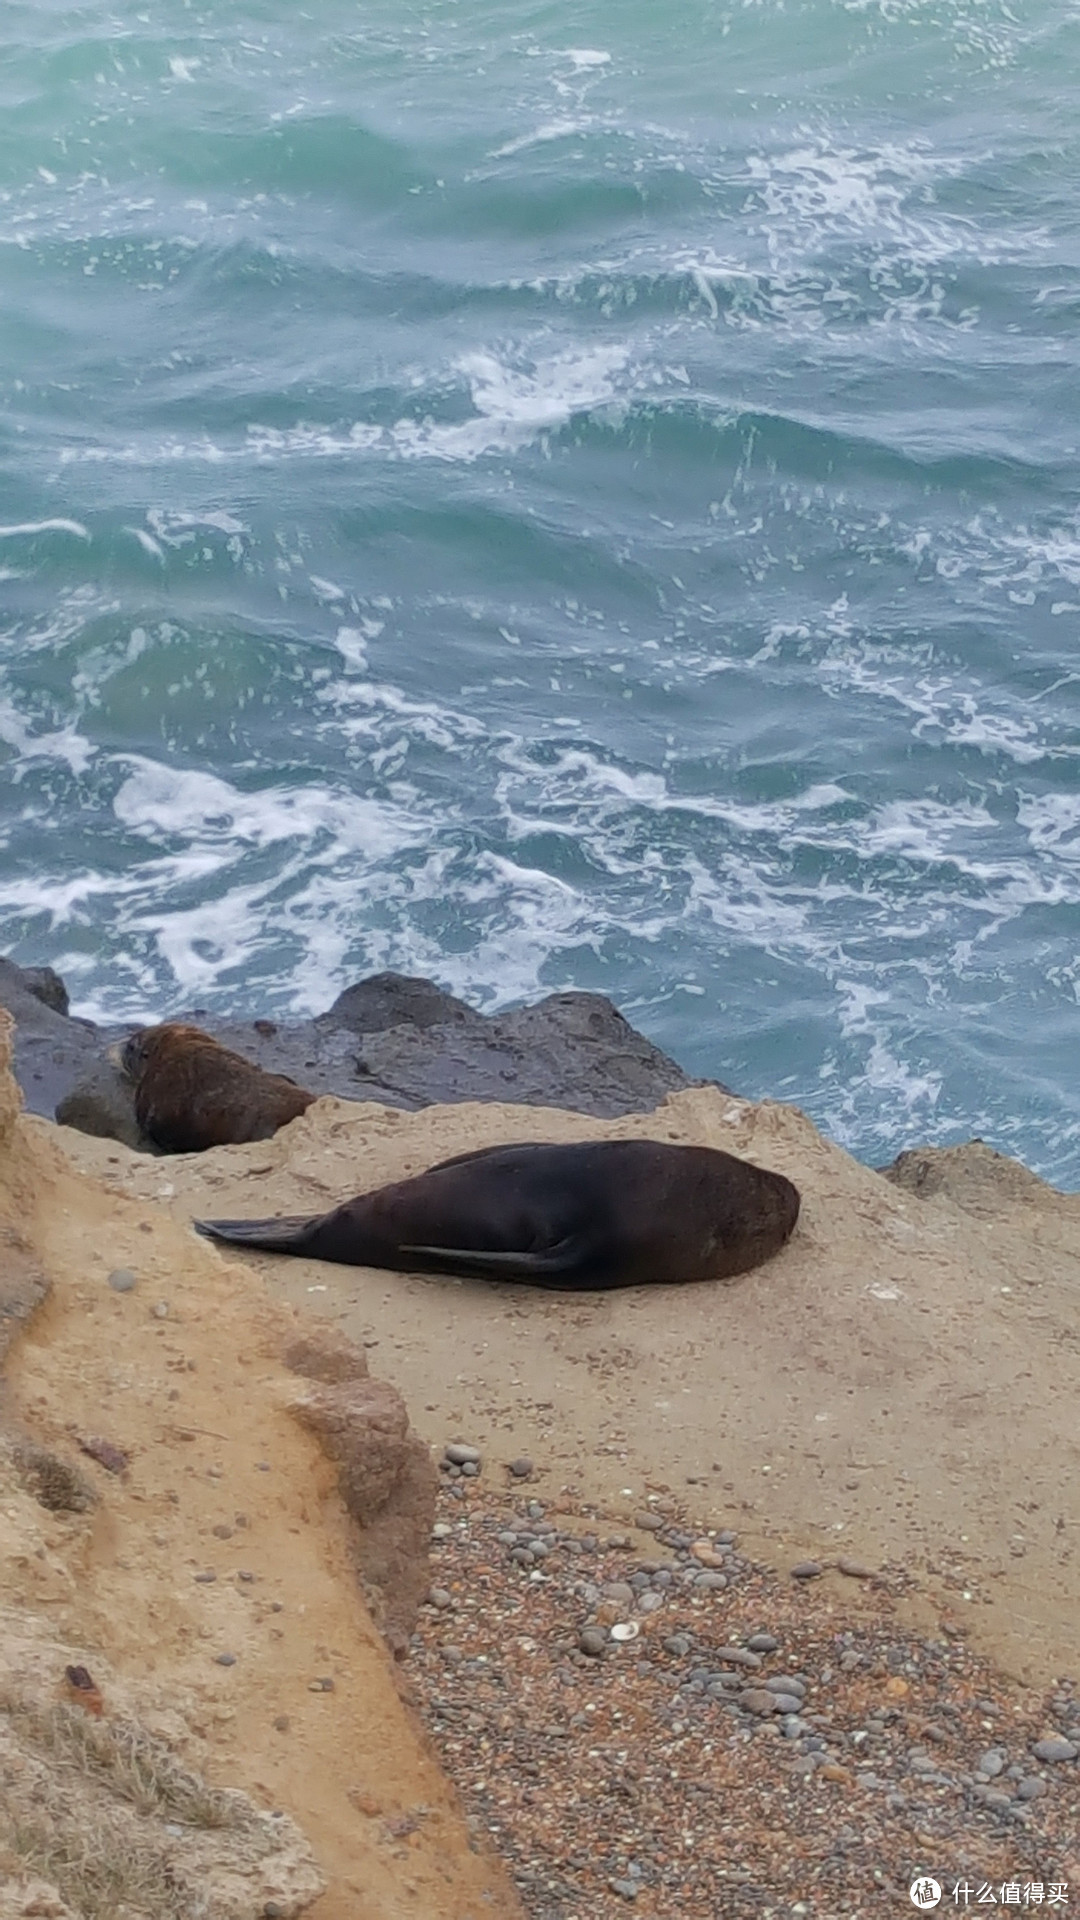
400	1041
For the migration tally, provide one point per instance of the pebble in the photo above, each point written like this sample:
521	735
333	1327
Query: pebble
786	1683
763	1643
678	1644
620	1591
206	1579
649	1522
225	1659
244	1574
522	1468
854	1569
325	1685
991	1763
592	1640
785	1702
711	1582
1056	1747
806	1570
161	1310
628	1888
282	1723
739	1657
439	1597
122	1280
442	1530
649	1602
758	1700
461	1455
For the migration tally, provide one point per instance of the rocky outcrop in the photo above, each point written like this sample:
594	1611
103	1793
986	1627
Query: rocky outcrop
385	1475
399	1041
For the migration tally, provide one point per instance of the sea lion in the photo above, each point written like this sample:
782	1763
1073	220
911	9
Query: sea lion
591	1214
192	1093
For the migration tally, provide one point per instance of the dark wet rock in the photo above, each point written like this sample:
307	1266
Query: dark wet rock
46	985
101	1103
402	1042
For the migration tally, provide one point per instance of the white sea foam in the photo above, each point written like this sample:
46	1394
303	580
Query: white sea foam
66	744
45	526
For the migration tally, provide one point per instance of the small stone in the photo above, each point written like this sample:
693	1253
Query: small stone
806	1570
706	1554
677	1644
854	1569
739	1657
592	1640
206	1579
122	1280
629	1889
460	1455
439	1597
991	1763
649	1522
763	1643
470	1468
225	1659
161	1310
786	1683
867	1780
650	1601
243	1574
993	1798
222	1532
273	1910
442	1530
786	1702
832	1770
522	1468
1031	1787
620	1591
1055	1748
711	1582
758	1700
282	1723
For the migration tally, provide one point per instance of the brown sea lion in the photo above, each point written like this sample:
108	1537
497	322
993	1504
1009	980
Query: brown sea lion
592	1214
192	1093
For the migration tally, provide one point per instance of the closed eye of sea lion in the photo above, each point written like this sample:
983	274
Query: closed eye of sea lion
192	1093
593	1214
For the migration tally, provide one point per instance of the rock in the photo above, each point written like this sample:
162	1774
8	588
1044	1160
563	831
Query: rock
385	1472
390	1038
592	1640
460	1455
1055	1748
806	1570
854	1569
521	1468
763	1643
1031	1787
758	1700
23	1285
122	1280
991	1763
738	1657
102	1102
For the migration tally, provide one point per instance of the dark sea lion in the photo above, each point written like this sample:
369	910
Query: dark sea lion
604	1213
192	1093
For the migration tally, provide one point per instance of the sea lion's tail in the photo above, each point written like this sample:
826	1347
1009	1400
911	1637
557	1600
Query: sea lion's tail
286	1234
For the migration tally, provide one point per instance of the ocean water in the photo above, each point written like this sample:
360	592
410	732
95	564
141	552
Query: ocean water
546	495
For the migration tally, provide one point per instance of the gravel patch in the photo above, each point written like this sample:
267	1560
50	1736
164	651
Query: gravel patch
617	1754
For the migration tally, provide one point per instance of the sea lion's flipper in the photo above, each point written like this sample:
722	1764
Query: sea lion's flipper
547	1268
283	1235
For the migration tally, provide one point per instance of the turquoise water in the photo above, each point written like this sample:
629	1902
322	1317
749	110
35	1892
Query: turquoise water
543	495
